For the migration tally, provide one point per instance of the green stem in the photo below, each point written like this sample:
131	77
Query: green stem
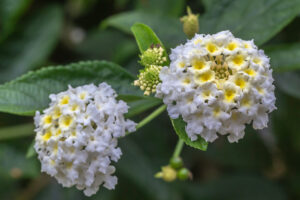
178	148
189	11
150	117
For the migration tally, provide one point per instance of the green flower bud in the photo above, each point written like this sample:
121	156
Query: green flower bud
176	162
184	174
190	23
168	174
153	56
148	79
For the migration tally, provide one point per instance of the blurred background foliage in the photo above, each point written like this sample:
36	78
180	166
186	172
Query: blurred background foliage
264	165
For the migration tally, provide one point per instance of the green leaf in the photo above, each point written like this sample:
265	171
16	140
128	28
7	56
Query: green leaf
144	36
284	57
215	4
179	126
166	7
30	92
31	44
121	47
169	29
250	19
289	83
16	131
10	13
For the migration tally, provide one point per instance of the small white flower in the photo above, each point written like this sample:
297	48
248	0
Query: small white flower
217	84
77	136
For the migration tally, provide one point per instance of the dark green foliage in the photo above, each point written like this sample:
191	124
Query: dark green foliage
35	34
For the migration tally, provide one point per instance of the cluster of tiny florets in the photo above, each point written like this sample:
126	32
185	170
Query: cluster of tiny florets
152	59
217	84
148	79
153	56
77	136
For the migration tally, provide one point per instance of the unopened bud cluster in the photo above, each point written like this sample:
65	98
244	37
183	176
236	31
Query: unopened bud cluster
152	59
173	171
148	79
153	56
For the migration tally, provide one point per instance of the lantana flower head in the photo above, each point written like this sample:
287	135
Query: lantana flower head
77	136
218	84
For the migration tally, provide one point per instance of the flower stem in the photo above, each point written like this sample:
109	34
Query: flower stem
150	117
178	148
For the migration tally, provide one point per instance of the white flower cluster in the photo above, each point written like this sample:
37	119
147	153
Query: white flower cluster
77	136
218	83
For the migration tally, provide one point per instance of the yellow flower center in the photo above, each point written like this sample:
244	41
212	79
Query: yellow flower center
47	136
260	90
52	162
231	46
240	82
198	64
229	95
47	119
73	133
211	47
74	107
250	72
246	102
257	61
69	165
206	93
181	64
65	100
216	111
66	121
58	132
186	81
238	60
82	95
197	41
56	113
206	76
